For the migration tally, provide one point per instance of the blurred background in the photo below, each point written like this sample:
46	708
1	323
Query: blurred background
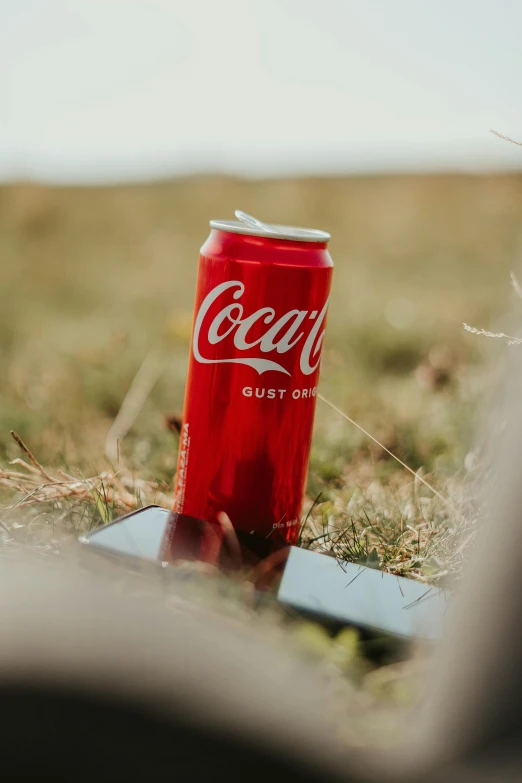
126	126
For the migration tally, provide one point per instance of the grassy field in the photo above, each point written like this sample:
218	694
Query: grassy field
93	279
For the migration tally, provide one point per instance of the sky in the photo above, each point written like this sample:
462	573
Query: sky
112	90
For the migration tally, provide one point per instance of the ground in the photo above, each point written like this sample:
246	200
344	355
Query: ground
96	279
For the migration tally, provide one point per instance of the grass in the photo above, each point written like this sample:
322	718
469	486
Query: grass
97	281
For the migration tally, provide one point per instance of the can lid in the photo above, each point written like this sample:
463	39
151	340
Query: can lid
246	224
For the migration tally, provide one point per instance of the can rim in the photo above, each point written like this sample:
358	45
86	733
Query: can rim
272	231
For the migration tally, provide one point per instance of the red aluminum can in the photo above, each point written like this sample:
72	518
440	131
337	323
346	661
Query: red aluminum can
261	303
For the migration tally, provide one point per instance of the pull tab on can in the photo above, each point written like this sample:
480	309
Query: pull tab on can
252	221
249	225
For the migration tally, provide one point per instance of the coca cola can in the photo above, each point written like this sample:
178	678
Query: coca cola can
260	312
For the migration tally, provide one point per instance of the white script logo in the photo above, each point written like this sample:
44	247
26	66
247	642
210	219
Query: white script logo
280	337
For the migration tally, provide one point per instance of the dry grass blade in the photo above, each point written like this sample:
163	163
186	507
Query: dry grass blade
230	539
497	335
26	466
505	138
31	456
447	502
269	564
120	492
140	388
516	285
